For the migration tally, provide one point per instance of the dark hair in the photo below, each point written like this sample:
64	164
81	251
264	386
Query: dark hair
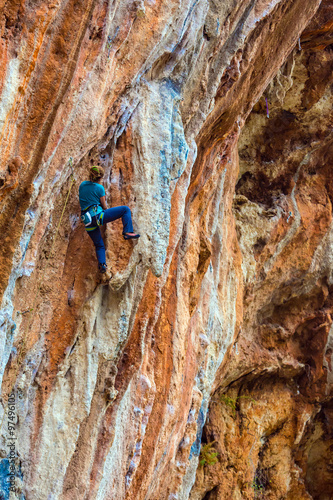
96	173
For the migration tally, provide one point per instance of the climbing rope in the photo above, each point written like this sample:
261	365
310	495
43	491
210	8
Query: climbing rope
70	162
32	309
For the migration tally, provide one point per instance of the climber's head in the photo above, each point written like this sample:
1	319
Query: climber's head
96	173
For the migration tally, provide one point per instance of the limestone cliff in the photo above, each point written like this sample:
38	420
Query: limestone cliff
202	370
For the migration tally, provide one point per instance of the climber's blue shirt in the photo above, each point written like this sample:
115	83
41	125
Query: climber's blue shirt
90	194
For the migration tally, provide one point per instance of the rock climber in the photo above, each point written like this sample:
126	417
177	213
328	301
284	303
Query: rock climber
94	213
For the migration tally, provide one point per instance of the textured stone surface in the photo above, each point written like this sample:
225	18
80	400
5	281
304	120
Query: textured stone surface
270	417
227	292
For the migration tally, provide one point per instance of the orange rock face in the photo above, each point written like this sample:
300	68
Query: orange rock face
202	368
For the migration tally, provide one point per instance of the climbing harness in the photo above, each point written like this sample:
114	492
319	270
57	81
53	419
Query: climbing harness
92	217
267	111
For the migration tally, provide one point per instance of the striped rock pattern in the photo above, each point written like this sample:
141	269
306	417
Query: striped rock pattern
214	331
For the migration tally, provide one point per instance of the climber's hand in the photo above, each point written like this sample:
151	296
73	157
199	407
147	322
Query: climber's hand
103	202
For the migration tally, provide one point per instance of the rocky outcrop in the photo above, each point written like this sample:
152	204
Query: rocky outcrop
214	331
270	417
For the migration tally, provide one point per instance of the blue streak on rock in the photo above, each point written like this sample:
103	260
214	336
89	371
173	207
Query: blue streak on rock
188	16
4	476
4	479
173	153
195	449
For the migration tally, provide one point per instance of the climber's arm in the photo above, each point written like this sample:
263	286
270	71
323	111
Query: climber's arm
103	202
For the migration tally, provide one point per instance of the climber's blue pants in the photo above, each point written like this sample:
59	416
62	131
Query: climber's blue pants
109	215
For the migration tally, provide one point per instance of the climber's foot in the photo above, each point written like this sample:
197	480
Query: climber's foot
106	277
130	236
102	268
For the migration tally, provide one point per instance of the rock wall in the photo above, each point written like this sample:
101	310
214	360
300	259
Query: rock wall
214	331
270	416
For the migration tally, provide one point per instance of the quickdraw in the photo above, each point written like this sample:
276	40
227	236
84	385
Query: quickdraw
110	40
267	110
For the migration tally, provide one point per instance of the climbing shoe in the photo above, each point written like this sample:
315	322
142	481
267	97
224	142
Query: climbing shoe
102	268
127	236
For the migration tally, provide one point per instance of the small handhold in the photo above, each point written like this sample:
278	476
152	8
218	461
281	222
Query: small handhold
204	341
70	297
111	394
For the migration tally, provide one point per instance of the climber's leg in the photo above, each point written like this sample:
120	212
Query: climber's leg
115	213
96	236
